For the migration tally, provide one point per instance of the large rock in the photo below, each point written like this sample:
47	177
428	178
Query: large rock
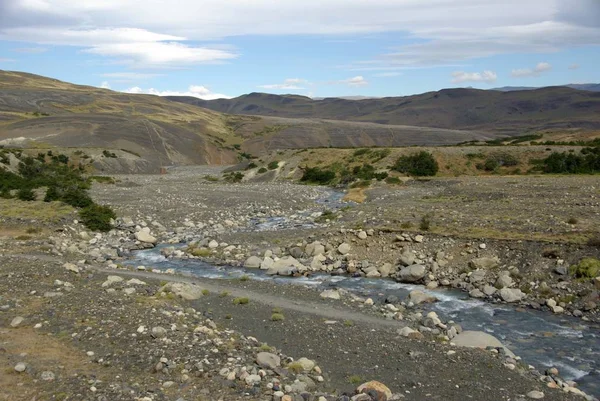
407	258
419	297
511	294
268	360
484	263
331	294
71	267
344	248
144	236
375	388
253	262
504	280
314	249
411	274
477	276
186	291
479	339
267	263
307	364
386	269
110	280
286	267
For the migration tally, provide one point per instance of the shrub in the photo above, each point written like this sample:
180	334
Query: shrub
355	379
234	177
26	194
273	165
211	178
361	184
587	268
573	220
241	301
421	164
97	217
594	241
425	223
52	194
262	170
318	176
77	198
251	166
587	162
360	152
295	367
201	252
277	317
393	181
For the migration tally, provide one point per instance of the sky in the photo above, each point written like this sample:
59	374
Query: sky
319	48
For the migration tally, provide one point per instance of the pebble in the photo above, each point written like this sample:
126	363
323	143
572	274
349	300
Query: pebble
16	321
535	395
20	367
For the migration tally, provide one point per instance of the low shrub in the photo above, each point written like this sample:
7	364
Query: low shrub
587	268
425	223
421	164
26	194
262	170
97	217
277	317
316	175
241	301
393	181
273	165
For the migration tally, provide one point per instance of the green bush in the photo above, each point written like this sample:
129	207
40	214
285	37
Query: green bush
277	317
425	223
273	165
587	162
262	170
360	152
316	175
77	198
393	180
97	217
587	268
52	194
26	194
421	164
241	301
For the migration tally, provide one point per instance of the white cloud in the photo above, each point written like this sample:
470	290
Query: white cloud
387	74
105	85
354	81
532	72
574	67
288	84
485	76
198	91
129	76
445	31
6	60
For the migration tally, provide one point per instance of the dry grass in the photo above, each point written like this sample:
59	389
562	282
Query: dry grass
357	195
38	210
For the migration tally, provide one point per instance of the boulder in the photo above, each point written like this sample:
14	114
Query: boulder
489	290
110	280
477	276
314	249
419	297
71	267
479	339
386	269
268	360
503	281
407	258
511	294
476	293
410	333
307	364
344	248
186	291
144	236
253	262
213	244
375	388
331	294
267	263
362	235
484	263
411	274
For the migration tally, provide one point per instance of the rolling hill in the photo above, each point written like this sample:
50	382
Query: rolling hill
506	113
581	87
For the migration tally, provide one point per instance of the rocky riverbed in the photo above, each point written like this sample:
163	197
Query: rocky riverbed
291	232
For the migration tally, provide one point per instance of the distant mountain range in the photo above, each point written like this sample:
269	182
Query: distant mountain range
581	87
492	111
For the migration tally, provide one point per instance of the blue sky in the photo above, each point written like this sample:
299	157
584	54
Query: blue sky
211	49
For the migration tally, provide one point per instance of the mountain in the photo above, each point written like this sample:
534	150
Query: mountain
509	113
147	132
161	132
581	87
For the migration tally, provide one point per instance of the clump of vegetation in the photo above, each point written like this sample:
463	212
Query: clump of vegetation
108	154
393	181
326	215
211	178
315	175
251	166
262	170
348	323
380	154
205	292
594	241
498	159
241	301
425	223
295	367
64	182
586	162
97	217
102	179
234	177
200	252
587	268
224	294
355	379
277	317
421	164
361	184
244	278
273	165
361	152
573	220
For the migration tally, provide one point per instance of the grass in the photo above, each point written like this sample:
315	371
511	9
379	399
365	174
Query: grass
33	230
205	292
356	195
244	278
38	210
224	294
355	379
586	269
325	216
277	317
277	310
201	252
295	367
425	223
573	220
348	323
265	347
241	301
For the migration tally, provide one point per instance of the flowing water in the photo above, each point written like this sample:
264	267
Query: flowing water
542	339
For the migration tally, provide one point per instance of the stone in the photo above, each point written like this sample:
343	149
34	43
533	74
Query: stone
268	360
20	367
407	258
362	235
411	274
213	244
535	395
267	263
410	333
561	270
344	248
511	294
16	321
478	276
484	263
503	281
110	280
419	238
307	364
253	262
144	236
71	267
476	293
597	283
330	294
159	332
489	289
186	291
385	270
381	391
48	376
479	339
419	297
135	281
551	303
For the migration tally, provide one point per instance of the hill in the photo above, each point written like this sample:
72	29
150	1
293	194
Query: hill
581	87
508	113
43	112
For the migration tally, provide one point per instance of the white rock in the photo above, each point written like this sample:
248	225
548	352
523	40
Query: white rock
331	294
16	321
144	236
344	248
535	395
362	235
213	244
20	367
